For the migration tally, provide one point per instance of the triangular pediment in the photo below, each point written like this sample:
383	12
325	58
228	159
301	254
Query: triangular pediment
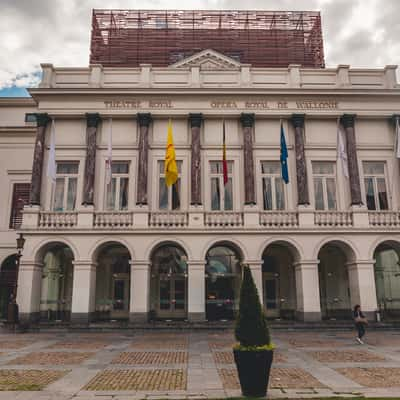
208	60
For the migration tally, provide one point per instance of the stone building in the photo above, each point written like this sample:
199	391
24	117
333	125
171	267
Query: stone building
135	249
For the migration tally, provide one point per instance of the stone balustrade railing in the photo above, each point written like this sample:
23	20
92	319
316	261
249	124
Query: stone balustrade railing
384	218
57	219
279	218
181	219
113	219
224	218
168	218
333	218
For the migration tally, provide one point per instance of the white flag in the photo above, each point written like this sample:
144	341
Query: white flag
109	155
341	151
51	165
398	137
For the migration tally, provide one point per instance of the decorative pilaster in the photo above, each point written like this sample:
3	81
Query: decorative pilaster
140	291
92	121
247	121
347	120
144	121
307	291
297	121
84	287
195	165
37	167
196	290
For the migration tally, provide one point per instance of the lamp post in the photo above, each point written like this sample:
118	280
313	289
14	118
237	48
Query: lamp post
13	312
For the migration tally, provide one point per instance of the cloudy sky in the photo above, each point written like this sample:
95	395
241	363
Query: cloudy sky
362	33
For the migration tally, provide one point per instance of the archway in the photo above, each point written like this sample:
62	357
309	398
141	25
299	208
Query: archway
334	280
8	277
168	288
113	275
387	278
57	282
279	285
223	279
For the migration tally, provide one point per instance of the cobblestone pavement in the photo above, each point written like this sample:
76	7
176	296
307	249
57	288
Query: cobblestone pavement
199	364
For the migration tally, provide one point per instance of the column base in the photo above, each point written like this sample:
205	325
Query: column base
308	316
138	317
82	318
197	316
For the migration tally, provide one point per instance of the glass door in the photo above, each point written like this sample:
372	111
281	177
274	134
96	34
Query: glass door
120	305
271	297
172	297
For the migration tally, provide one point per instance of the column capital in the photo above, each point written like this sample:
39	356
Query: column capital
394	118
92	120
195	120
247	119
347	120
42	119
144	119
297	120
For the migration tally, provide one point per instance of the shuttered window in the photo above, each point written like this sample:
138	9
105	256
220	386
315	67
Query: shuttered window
19	199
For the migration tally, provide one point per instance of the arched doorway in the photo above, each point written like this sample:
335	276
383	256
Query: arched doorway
223	279
8	276
387	278
168	286
279	285
334	285
113	276
57	282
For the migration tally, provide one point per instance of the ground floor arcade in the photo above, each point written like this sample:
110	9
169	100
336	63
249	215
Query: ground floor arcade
137	278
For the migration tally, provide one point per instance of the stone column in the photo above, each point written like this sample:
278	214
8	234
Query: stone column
307	291
362	286
303	198
196	290
247	121
37	167
347	120
195	165
144	122
29	290
83	292
256	272
92	121
140	291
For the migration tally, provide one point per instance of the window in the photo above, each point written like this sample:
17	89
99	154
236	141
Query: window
375	185
117	191
221	195
64	198
324	185
273	186
20	198
169	197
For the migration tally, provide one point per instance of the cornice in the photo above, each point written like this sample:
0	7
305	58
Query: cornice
17	101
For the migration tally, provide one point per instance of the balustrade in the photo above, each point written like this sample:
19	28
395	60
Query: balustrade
384	218
57	219
279	218
168	218
224	218
113	219
333	218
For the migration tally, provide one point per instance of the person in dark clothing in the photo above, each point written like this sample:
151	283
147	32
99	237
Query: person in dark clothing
360	321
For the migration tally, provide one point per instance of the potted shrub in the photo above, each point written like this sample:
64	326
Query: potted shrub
254	352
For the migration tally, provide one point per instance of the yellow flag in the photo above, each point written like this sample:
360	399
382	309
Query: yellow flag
170	168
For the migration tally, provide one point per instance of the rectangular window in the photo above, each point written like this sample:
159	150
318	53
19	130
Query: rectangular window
375	185
273	186
169	198
64	196
19	199
324	179
117	191
221	195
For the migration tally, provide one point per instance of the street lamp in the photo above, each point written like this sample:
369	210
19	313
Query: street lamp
13	312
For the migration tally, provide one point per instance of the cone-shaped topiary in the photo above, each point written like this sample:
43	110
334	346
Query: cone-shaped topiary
251	325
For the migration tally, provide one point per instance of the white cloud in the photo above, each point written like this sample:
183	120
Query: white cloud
361	33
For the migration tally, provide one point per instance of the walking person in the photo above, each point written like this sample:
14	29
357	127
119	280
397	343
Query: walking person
360	321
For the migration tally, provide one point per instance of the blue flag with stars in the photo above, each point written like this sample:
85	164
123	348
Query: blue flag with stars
284	156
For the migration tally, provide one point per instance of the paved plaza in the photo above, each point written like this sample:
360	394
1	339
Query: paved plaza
197	364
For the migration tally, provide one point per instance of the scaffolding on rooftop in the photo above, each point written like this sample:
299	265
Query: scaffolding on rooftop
128	38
